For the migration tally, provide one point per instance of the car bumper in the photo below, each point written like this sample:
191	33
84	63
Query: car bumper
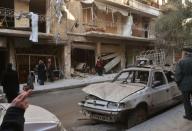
102	115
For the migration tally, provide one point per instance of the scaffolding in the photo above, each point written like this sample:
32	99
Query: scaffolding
151	57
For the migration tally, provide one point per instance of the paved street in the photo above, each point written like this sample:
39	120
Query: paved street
61	103
171	120
64	105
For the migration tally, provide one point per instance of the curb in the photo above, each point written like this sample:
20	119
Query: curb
66	87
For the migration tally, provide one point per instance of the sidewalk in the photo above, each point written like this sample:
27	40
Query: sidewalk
171	120
71	83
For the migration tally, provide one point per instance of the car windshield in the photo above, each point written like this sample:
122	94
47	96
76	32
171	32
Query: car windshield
132	76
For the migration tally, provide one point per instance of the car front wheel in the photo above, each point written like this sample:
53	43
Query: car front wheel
137	116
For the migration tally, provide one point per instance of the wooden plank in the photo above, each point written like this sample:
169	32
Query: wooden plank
112	63
110	56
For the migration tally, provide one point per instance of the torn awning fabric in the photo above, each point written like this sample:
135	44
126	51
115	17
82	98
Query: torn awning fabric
105	7
87	1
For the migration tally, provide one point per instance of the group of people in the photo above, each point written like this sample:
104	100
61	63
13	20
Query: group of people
14	117
44	71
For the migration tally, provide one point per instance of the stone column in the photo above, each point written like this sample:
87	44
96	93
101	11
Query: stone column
48	16
67	60
98	50
123	59
12	57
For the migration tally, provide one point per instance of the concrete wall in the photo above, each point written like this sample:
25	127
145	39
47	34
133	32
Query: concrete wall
21	6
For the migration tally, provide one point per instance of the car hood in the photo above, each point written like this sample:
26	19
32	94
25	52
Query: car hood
112	91
37	118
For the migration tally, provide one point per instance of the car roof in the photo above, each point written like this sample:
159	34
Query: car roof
144	68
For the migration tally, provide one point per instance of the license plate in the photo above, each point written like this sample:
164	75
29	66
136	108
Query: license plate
101	117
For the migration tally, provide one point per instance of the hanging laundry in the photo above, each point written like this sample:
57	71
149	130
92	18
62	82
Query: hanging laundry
128	26
61	9
69	15
58	8
34	23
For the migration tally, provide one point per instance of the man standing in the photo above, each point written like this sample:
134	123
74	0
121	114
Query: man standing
99	66
183	78
10	83
41	72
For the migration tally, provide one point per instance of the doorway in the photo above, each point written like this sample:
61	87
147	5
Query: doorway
3	60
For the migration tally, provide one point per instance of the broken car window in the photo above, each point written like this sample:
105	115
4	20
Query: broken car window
133	76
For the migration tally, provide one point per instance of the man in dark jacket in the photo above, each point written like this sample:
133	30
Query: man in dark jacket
14	117
10	83
41	72
183	78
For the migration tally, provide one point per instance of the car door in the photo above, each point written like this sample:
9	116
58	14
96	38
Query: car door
159	90
175	94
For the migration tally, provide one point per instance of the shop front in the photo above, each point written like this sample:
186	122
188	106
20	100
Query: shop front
28	56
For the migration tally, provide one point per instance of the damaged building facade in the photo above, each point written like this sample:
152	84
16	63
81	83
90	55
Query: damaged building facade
17	44
74	33
116	30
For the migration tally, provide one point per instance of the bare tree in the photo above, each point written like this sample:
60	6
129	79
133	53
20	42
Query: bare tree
174	28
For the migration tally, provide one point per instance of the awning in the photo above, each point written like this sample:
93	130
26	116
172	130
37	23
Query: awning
87	1
106	7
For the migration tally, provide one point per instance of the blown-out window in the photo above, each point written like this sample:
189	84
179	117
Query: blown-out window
87	15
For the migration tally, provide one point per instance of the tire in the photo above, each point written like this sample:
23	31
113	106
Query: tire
137	116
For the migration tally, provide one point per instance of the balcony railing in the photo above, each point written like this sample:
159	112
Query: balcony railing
116	28
8	16
151	8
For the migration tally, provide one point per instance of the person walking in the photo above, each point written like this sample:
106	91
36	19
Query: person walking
50	70
10	83
99	66
41	72
183	78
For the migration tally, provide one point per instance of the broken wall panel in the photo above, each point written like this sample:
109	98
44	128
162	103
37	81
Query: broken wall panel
112	63
113	56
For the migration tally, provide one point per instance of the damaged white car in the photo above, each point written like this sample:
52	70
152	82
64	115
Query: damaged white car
36	119
134	93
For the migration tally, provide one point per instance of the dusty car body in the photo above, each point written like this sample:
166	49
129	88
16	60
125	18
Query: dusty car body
134	93
2	95
36	119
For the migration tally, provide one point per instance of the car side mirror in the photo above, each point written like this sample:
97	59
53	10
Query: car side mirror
156	83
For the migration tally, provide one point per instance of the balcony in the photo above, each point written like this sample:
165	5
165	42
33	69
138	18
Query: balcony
149	8
115	28
9	19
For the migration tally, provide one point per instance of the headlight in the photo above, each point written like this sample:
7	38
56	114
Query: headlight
112	105
121	105
90	97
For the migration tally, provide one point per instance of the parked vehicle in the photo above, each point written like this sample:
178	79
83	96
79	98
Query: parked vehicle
2	95
36	119
133	95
